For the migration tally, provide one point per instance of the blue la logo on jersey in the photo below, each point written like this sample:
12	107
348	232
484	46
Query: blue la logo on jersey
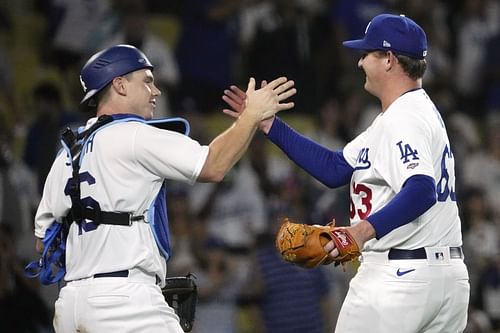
362	162
406	152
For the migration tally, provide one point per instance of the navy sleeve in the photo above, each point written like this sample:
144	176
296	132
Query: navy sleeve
415	198
327	166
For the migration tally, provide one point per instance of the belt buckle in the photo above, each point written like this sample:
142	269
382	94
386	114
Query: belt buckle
438	255
132	218
145	216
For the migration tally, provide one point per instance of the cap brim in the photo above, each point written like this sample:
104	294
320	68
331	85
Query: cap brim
357	44
177	124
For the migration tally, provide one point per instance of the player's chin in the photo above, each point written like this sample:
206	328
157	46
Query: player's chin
368	87
149	113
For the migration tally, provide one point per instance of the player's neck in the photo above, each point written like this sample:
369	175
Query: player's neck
110	108
395	89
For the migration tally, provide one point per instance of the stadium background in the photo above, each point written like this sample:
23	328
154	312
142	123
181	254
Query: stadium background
223	234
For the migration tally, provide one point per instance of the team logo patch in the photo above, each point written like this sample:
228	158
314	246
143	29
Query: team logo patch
407	152
362	162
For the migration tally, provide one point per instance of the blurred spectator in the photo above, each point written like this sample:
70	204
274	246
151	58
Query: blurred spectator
353	16
464	135
285	298
18	193
491	76
183	230
7	87
75	29
43	138
431	16
21	308
328	125
134	30
219	281
480	21
260	164
10	209
234	210
490	289
482	167
480	229
282	37
204	52
325	203
349	19
478	321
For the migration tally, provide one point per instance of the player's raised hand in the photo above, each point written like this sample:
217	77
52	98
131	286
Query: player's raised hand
237	99
267	101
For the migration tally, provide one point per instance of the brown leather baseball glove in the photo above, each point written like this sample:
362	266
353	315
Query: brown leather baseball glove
303	244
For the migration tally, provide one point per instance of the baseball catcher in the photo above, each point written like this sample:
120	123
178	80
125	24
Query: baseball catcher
181	294
303	244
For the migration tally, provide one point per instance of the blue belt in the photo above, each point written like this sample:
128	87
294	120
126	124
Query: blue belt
398	254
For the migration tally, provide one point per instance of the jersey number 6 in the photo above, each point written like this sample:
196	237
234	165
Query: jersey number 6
85	177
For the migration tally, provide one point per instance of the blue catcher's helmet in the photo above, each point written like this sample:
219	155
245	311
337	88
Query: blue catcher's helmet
107	64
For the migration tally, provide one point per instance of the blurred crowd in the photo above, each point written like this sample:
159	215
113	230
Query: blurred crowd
223	233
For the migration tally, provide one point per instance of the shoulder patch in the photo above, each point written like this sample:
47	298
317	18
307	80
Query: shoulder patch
407	152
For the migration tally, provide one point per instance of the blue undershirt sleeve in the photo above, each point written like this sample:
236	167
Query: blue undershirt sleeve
415	198
327	166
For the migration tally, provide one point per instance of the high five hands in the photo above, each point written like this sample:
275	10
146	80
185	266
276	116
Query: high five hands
277	90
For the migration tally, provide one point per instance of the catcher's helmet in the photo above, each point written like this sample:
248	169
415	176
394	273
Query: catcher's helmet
107	64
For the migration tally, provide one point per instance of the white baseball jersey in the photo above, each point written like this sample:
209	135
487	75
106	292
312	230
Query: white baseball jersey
122	170
408	139
429	295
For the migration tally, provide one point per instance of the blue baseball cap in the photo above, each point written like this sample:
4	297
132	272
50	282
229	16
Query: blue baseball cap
396	33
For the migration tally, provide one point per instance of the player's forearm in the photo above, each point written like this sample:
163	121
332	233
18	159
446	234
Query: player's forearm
362	232
329	167
227	148
415	198
39	245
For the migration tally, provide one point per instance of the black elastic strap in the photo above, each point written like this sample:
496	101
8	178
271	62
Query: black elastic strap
112	218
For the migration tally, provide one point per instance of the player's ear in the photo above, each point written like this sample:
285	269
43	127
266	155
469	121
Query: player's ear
390	60
119	85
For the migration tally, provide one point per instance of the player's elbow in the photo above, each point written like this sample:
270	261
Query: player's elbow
424	188
211	175
216	167
430	194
